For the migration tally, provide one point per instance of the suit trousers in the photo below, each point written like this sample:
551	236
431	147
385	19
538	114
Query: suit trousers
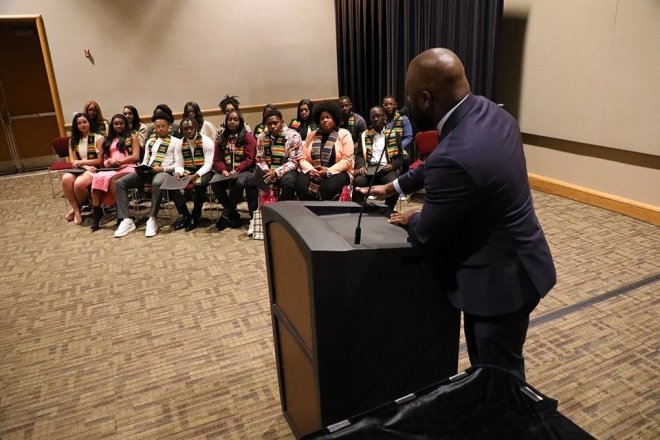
498	340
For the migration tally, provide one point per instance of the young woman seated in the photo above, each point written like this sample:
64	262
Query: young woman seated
327	156
121	151
85	155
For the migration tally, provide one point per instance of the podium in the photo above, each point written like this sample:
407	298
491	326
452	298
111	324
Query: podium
354	326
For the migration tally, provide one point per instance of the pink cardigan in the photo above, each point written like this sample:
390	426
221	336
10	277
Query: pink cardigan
343	153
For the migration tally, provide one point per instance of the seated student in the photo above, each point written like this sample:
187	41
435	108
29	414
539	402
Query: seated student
401	124
235	153
174	127
327	156
376	144
192	110
351	121
162	153
278	152
95	117
197	152
261	127
303	122
121	151
137	127
84	152
228	104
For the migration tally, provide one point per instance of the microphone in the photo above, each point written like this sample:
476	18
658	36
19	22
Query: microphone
358	230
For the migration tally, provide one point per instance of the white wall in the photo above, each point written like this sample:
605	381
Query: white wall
169	51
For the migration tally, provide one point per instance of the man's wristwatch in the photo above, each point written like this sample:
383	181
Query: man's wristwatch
328	174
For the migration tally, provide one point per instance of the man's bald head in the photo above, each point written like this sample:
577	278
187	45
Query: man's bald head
435	82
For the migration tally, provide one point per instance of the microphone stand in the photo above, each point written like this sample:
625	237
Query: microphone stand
358	230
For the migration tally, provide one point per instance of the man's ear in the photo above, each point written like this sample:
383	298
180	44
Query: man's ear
427	99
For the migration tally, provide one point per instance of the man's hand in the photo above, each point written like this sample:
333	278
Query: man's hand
386	168
361	171
402	218
270	176
158	169
378	190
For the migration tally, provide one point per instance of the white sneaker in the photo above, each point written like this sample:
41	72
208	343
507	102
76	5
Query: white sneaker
372	197
125	227
250	230
152	227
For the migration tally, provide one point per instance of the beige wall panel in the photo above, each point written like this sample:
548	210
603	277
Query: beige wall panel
566	51
624	180
590	71
631	118
170	51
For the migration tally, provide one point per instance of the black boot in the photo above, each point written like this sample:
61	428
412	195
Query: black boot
97	212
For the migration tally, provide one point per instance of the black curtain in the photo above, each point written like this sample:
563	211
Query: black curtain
376	39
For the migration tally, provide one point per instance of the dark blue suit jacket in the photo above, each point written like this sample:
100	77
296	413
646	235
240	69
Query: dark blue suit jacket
477	230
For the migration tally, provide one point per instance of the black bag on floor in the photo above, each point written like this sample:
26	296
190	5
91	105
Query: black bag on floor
481	403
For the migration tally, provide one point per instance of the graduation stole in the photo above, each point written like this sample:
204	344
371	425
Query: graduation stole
295	124
233	153
92	152
128	144
391	145
193	160
274	151
350	125
259	129
321	153
159	155
398	124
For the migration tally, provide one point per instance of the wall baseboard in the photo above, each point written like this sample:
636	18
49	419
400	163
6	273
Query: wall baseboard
631	208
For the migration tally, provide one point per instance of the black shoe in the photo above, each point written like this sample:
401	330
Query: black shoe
235	222
181	222
97	213
222	223
192	224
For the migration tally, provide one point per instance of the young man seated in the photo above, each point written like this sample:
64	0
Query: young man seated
380	149
162	153
278	153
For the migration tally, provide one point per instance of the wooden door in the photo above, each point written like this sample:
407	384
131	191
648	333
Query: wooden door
29	103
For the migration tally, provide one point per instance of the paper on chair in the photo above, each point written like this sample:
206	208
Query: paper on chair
219	177
172	182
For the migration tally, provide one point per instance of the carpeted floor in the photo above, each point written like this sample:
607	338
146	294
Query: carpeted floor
171	337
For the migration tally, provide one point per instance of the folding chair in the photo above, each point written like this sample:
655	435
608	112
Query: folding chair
61	148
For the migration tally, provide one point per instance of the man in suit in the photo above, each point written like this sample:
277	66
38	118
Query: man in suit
477	230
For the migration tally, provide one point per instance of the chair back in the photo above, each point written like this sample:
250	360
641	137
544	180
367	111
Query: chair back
425	142
61	146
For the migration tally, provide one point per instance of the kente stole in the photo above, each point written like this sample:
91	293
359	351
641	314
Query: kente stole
159	155
128	144
398	124
351	123
233	153
321	153
92	152
193	160
274	151
391	145
295	124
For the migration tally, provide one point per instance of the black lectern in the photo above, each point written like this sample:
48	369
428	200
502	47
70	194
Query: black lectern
355	326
